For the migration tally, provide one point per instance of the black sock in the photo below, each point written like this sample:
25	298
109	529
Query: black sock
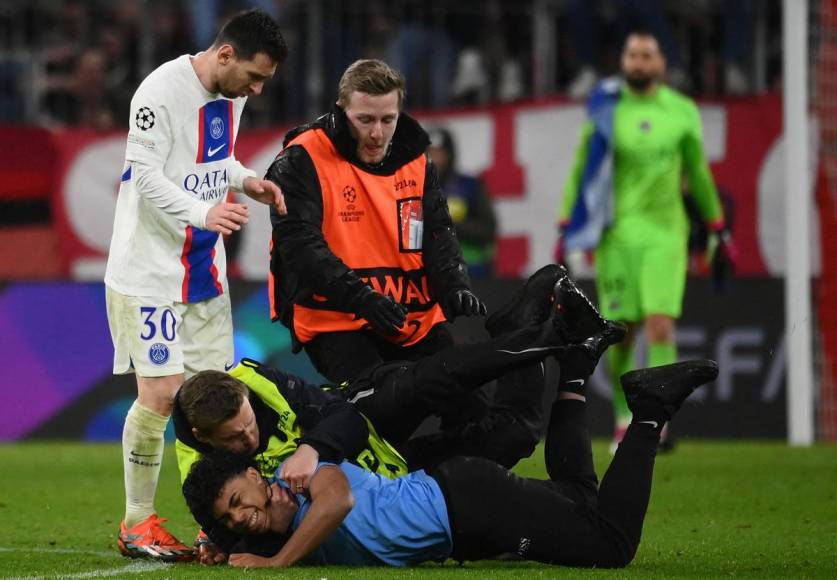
576	386
649	411
576	368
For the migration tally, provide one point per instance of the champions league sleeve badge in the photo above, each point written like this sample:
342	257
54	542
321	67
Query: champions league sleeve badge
158	353
144	118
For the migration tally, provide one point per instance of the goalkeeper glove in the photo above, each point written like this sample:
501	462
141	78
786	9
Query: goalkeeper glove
722	256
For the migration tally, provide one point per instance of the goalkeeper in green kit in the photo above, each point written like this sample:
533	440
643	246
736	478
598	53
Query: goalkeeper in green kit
624	199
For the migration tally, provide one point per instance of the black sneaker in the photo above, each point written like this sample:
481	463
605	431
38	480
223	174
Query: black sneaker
530	305
579	361
613	333
575	317
671	384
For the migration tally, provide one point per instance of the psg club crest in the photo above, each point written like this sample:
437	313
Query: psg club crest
144	118
216	128
158	353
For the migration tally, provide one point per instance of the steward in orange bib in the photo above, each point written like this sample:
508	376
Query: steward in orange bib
365	267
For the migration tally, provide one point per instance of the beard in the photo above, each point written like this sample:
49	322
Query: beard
639	82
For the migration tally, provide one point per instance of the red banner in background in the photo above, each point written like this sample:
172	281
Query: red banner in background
28	163
753	127
523	151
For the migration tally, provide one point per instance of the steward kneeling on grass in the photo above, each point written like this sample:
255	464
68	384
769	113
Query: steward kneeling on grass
467	508
283	422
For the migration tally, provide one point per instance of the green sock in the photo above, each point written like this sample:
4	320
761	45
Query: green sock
661	353
620	360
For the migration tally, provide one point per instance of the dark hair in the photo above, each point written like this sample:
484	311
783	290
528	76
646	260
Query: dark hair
211	397
205	481
370	76
643	33
251	32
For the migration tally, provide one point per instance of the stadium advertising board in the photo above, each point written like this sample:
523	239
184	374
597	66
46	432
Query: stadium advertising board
66	390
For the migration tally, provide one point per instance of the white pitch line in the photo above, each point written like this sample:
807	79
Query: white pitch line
136	567
101	553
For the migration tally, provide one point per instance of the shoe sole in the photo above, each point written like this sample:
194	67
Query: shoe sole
564	291
520	295
137	554
614	332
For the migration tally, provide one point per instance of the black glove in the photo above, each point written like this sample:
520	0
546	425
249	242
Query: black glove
382	313
462	302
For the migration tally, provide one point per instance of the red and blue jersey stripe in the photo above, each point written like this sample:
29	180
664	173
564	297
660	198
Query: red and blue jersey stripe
215	131
200	279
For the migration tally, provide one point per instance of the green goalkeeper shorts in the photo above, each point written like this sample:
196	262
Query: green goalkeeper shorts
633	282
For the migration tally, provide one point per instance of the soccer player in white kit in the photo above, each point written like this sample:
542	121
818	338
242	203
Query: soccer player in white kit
167	295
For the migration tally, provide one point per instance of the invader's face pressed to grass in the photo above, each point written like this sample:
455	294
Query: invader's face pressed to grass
248	505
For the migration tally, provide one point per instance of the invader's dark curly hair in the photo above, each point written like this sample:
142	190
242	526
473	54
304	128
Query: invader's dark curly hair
203	486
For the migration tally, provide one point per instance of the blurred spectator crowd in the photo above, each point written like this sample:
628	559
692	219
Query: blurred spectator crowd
71	63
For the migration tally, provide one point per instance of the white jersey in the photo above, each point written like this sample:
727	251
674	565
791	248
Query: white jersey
179	163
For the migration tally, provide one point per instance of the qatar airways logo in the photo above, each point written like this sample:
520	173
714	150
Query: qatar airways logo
207	186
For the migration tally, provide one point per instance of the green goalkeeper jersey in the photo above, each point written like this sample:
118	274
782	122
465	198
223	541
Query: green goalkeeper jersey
656	139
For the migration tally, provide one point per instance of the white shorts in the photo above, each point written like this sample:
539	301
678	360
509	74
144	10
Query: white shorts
158	338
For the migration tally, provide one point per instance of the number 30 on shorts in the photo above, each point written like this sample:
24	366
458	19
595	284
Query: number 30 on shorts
155	321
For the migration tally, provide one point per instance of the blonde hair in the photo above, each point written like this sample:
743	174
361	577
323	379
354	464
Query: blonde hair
370	76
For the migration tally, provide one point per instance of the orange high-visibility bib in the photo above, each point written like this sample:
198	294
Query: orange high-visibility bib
374	223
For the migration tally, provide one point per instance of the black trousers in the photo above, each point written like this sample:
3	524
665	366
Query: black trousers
349	356
344	356
566	520
398	396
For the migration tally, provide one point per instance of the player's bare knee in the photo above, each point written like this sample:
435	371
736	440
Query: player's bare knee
157	393
659	328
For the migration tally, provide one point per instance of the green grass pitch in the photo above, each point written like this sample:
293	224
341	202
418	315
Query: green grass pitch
741	509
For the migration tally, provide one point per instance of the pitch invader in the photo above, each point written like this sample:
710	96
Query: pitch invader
167	295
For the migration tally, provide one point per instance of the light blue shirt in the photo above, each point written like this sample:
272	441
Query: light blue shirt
399	522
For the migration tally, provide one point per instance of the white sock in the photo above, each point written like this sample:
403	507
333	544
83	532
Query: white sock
142	454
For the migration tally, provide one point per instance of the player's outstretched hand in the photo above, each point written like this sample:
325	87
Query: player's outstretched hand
299	467
249	561
462	302
267	192
227	217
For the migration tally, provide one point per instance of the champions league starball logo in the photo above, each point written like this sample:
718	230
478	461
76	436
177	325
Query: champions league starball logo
216	128
158	353
144	118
